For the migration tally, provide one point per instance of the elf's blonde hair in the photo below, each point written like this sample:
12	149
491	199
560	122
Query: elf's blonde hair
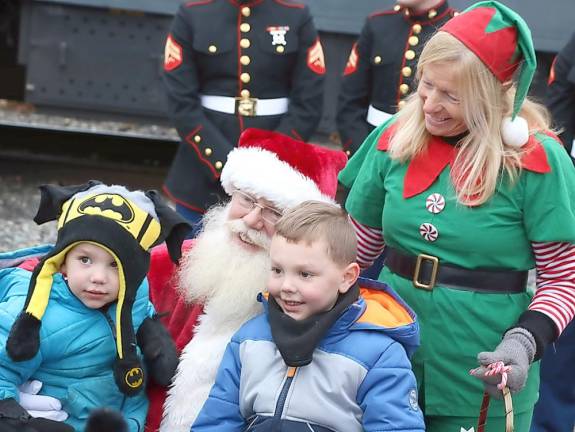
485	102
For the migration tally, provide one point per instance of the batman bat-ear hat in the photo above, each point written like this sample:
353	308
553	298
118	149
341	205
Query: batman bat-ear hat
124	223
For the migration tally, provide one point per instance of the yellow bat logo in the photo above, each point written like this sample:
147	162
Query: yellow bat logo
134	377
112	206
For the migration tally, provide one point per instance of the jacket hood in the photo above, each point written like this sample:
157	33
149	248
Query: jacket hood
382	309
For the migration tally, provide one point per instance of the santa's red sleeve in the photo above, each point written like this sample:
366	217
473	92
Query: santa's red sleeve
180	318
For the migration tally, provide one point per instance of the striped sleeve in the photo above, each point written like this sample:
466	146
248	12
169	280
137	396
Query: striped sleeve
369	243
555	294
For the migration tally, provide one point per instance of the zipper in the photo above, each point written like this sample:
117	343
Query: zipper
283	394
110	323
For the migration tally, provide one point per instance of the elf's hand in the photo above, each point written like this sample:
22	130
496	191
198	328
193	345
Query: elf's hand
40	405
160	354
14	418
515	352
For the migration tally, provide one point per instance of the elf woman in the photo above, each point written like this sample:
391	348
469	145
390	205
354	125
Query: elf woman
470	190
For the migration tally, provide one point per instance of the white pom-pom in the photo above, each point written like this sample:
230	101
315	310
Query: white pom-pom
515	133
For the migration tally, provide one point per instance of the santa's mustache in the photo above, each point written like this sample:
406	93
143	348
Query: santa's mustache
258	238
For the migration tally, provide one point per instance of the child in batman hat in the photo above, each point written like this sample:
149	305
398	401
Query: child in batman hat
81	322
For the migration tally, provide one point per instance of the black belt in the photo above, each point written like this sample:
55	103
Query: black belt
426	271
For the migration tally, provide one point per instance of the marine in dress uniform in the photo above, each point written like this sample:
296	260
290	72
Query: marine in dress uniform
231	65
380	71
561	93
555	409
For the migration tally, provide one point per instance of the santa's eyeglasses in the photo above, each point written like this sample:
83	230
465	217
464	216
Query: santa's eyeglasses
248	202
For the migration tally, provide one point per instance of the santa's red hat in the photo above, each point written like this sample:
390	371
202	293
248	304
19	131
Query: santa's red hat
281	169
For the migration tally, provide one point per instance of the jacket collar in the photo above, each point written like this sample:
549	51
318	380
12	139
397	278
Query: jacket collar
427	16
297	339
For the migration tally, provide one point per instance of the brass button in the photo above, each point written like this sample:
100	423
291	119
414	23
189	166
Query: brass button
416	28
409	55
404	88
280	49
413	40
406	71
218	165
432	13
245	43
377	59
212	48
245	77
208	151
245	60
197	138
245	93
245	27
401	104
396	8
246	11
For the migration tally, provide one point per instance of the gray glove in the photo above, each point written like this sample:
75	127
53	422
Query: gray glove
516	350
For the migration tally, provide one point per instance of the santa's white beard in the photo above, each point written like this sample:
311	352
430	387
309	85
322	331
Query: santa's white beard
226	279
219	273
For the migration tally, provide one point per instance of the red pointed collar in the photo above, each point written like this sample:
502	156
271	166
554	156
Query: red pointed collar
424	169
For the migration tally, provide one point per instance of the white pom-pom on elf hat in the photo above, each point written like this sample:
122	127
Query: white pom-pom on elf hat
502	41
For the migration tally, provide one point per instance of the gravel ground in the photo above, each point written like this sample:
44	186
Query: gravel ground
18	204
19	194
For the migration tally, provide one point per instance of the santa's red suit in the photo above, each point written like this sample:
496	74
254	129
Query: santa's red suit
180	319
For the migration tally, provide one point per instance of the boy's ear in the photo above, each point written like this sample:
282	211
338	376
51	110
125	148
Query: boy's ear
53	197
349	277
174	227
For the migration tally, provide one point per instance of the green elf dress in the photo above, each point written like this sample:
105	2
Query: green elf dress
414	204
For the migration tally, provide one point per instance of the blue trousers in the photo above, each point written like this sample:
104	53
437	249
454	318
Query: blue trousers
555	410
193	217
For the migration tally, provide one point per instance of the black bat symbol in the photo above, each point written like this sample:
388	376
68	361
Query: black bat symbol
134	377
101	203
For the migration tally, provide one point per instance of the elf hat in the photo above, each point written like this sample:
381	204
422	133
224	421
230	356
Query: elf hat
281	169
502	41
124	223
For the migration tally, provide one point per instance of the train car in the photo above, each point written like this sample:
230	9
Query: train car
102	59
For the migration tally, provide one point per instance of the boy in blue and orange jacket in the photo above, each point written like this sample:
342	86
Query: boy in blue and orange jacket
329	353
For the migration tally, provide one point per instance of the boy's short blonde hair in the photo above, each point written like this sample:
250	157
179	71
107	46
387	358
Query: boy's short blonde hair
314	220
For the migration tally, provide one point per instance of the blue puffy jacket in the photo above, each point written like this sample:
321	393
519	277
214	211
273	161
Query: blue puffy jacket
77	347
360	377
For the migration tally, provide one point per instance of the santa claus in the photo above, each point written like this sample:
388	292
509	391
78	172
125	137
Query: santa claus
214	290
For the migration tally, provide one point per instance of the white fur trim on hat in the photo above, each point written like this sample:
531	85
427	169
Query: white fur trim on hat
515	132
263	174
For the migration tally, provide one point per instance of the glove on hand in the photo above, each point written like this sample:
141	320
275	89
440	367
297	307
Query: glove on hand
14	418
516	350
40	405
159	350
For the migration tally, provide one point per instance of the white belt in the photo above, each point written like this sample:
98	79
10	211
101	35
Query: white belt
245	106
376	117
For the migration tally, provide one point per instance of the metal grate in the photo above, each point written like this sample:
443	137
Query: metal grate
95	59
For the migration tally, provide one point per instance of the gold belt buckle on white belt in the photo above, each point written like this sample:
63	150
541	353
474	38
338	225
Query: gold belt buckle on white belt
246	106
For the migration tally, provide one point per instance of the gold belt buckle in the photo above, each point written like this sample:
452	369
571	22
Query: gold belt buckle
427	286
246	106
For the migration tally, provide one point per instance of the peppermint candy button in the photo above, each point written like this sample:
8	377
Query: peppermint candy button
435	203
428	232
